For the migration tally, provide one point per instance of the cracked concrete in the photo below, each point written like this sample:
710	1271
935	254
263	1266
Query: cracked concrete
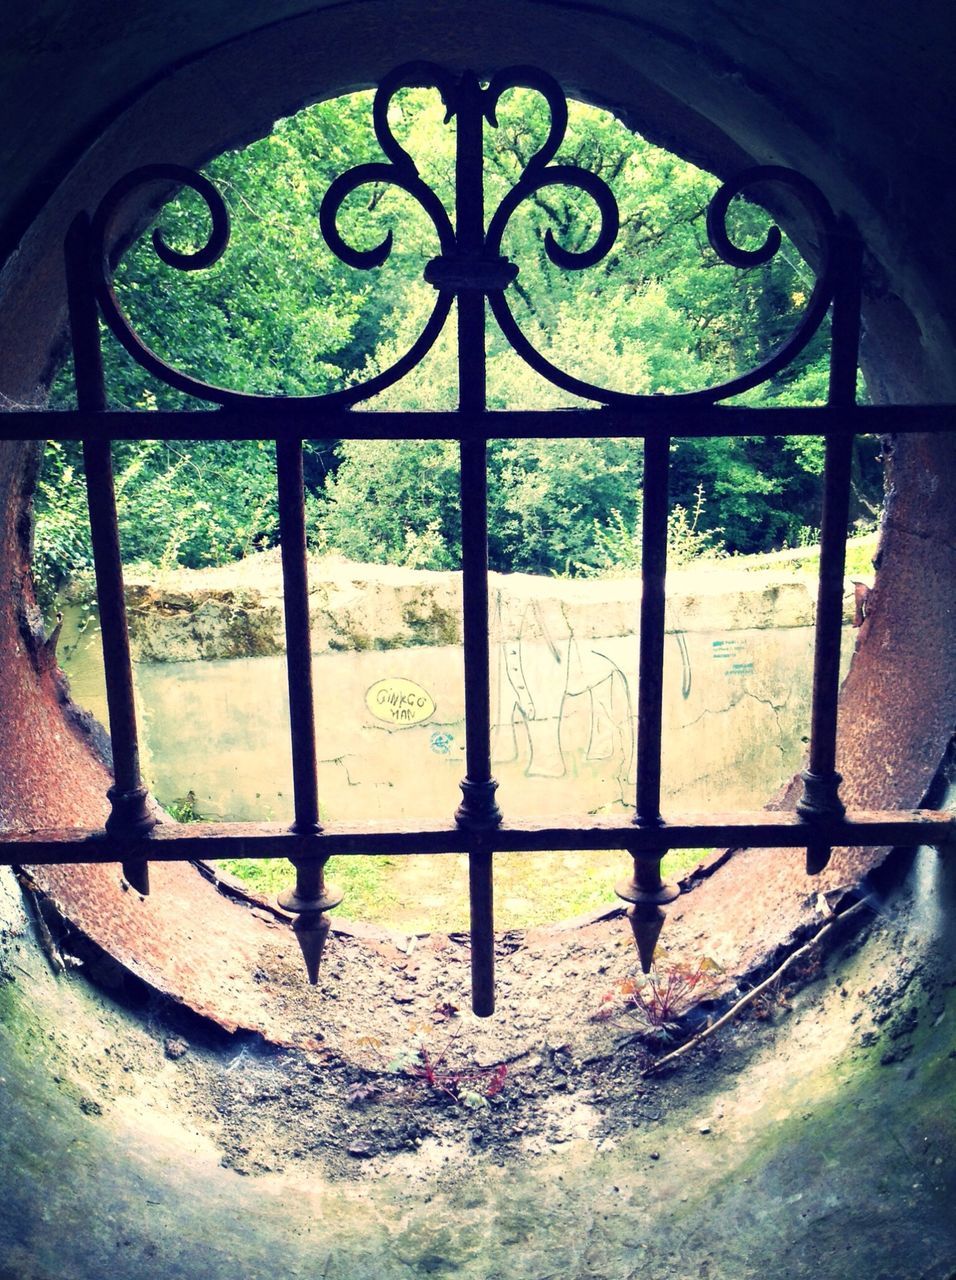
818	1143
564	691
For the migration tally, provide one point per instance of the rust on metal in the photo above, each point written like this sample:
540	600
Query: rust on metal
861	591
131	811
761	829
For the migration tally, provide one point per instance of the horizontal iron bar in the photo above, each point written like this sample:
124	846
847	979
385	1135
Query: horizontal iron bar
286	420
175	842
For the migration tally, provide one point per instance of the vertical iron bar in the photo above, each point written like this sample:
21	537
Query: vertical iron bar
311	897
130	808
298	638
469	241
482	927
821	797
478	807
651	678
478	810
646	890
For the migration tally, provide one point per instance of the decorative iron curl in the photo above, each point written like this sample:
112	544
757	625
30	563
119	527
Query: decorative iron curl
479	269
102	227
821	296
540	173
399	172
811	319
101	238
488	272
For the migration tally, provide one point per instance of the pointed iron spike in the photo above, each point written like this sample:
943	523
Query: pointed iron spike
818	855
137	875
647	921
311	930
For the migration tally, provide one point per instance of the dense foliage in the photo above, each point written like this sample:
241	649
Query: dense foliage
279	314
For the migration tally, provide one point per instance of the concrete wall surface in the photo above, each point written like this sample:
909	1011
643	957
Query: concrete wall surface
390	691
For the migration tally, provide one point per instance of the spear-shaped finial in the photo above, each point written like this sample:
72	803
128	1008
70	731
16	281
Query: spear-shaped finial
311	930
647	921
309	901
648	894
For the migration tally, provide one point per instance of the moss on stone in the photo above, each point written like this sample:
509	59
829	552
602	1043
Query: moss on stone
431	623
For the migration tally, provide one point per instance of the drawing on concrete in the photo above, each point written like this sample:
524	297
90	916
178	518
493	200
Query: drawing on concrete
399	701
686	673
540	664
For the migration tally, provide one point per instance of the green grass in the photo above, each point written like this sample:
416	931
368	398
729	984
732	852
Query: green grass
366	881
430	893
859	558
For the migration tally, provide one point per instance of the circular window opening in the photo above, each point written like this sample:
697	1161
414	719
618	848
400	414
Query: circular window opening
281	314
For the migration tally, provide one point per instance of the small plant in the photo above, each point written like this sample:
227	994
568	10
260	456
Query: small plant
185	809
807	536
470	1087
660	998
618	543
359	1093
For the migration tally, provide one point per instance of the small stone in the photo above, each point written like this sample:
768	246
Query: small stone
359	1151
265	916
655	1155
703	1128
175	1048
895	1055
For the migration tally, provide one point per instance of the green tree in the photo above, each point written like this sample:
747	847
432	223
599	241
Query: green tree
279	314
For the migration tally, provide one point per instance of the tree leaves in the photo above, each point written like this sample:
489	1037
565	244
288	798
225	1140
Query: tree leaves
279	314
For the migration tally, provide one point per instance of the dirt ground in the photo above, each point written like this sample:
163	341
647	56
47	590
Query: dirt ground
389	1063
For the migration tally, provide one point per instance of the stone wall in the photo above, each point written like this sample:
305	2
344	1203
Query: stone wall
236	611
389	688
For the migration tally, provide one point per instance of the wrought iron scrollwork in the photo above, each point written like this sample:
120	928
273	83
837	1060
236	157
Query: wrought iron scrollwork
472	262
102	229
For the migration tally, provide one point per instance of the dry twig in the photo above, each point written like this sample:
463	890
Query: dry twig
732	1012
44	936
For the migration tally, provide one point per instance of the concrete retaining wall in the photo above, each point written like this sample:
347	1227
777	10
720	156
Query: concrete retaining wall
389	689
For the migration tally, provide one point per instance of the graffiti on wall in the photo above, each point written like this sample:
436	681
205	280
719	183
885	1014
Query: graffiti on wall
539	664
399	701
735	655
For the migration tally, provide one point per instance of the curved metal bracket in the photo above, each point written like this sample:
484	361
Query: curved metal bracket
463	266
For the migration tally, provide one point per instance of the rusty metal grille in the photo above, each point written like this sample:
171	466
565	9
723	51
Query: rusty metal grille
472	273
